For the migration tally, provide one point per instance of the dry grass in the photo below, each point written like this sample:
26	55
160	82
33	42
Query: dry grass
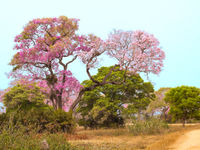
111	139
121	139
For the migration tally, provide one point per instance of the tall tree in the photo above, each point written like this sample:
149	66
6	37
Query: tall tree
47	46
184	102
135	51
45	49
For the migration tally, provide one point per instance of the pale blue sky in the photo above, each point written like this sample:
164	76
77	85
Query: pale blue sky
176	23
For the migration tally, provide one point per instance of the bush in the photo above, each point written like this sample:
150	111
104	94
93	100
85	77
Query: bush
102	122
61	121
104	113
25	107
151	126
16	140
40	120
3	120
23	97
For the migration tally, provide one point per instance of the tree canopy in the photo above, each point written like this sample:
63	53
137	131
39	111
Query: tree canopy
184	102
23	97
108	105
47	46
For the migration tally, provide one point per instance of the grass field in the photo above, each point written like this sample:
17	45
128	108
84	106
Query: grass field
101	139
121	139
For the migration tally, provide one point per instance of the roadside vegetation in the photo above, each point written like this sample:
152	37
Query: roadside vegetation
46	108
33	124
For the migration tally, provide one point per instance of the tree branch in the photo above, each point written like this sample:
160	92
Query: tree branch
71	60
91	78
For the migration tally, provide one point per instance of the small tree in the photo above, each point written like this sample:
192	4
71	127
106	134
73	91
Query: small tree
21	97
184	102
25	107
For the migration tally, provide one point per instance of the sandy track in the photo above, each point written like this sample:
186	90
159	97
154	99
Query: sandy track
188	141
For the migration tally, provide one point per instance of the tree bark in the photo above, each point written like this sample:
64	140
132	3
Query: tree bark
59	102
83	90
183	122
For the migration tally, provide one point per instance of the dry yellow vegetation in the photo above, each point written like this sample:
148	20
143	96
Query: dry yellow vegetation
121	139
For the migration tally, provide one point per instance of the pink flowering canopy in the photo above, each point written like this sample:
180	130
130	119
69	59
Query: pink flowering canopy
47	46
136	51
44	50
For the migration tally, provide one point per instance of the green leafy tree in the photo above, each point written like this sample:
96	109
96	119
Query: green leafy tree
104	106
25	107
23	97
184	102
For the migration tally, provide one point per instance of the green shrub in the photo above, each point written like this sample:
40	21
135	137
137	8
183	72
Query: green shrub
40	120
25	107
103	122
3	120
58	142
17	140
151	126
23	97
61	121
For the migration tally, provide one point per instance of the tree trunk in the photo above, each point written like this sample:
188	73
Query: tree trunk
52	101
183	122
96	84
59	102
73	106
184	119
83	90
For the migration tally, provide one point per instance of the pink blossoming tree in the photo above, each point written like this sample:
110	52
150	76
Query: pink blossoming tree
45	49
47	46
135	51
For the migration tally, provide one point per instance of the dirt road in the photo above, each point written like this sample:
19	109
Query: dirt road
188	141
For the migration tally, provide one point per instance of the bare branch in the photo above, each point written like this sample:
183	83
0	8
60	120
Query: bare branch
93	80
71	60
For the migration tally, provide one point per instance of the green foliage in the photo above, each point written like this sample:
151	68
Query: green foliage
104	113
184	102
103	106
40	120
17	140
61	121
150	126
23	97
58	141
25	107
